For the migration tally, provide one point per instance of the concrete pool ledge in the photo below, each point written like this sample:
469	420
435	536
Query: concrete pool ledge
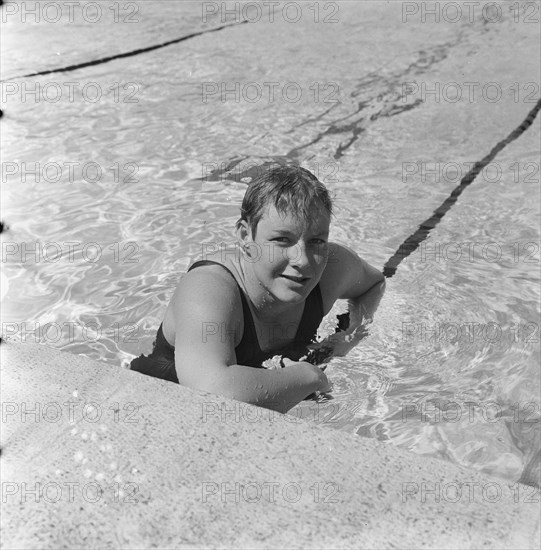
97	456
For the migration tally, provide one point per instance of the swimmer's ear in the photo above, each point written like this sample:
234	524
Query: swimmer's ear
243	232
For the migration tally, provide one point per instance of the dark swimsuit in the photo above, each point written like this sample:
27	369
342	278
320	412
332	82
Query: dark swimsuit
161	362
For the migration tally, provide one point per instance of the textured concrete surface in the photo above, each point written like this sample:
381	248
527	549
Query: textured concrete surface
113	459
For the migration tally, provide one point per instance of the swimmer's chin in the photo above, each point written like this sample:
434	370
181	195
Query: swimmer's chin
288	292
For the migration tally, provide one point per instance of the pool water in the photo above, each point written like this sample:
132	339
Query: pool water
450	367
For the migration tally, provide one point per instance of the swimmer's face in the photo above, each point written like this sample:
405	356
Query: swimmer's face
288	254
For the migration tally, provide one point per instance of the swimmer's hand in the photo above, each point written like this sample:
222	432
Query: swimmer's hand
335	345
323	383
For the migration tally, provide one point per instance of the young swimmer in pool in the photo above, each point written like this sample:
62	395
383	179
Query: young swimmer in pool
233	311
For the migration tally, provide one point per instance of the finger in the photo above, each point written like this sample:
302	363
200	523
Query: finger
326	385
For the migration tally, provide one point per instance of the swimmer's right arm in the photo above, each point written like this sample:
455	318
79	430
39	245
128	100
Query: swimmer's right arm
205	304
277	389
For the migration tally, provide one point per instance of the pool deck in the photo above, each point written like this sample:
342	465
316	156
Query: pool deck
179	468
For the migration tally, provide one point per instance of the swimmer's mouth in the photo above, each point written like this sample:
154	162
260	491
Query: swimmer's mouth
299	280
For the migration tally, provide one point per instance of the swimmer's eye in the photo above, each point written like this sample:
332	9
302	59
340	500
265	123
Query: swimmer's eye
287	240
284	240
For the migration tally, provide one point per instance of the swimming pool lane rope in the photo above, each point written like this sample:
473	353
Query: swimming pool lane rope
415	239
128	54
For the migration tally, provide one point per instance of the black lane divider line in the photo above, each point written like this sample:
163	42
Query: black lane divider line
127	54
415	239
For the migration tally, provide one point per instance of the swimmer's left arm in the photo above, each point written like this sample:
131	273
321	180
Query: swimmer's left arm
352	276
355	280
362	308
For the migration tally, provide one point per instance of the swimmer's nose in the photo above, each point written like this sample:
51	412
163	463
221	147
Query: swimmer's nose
298	258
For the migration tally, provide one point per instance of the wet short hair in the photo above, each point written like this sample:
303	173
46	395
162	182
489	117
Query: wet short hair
291	189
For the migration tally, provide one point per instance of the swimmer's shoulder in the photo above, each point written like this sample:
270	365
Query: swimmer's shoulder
206	293
346	275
